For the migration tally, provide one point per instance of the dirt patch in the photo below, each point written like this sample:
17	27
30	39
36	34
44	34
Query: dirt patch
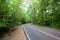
18	34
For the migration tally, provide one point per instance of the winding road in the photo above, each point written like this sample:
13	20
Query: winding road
34	32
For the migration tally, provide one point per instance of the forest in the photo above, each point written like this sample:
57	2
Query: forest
38	12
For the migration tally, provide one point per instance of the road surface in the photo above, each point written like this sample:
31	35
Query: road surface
40	33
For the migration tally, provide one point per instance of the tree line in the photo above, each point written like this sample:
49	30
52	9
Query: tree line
11	14
45	12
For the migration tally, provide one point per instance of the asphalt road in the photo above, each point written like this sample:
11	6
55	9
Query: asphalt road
40	33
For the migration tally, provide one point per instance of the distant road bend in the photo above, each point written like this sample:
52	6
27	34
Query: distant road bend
40	33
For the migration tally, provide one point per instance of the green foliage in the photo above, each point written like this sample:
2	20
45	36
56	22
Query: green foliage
45	12
41	12
56	25
8	12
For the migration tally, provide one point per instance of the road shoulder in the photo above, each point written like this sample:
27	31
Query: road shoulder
18	34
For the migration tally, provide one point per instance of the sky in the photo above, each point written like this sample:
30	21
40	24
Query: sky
26	4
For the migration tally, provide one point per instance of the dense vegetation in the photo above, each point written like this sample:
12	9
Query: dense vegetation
45	12
10	14
41	12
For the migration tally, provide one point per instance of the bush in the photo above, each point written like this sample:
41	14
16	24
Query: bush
56	25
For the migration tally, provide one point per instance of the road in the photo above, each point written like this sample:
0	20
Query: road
40	33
